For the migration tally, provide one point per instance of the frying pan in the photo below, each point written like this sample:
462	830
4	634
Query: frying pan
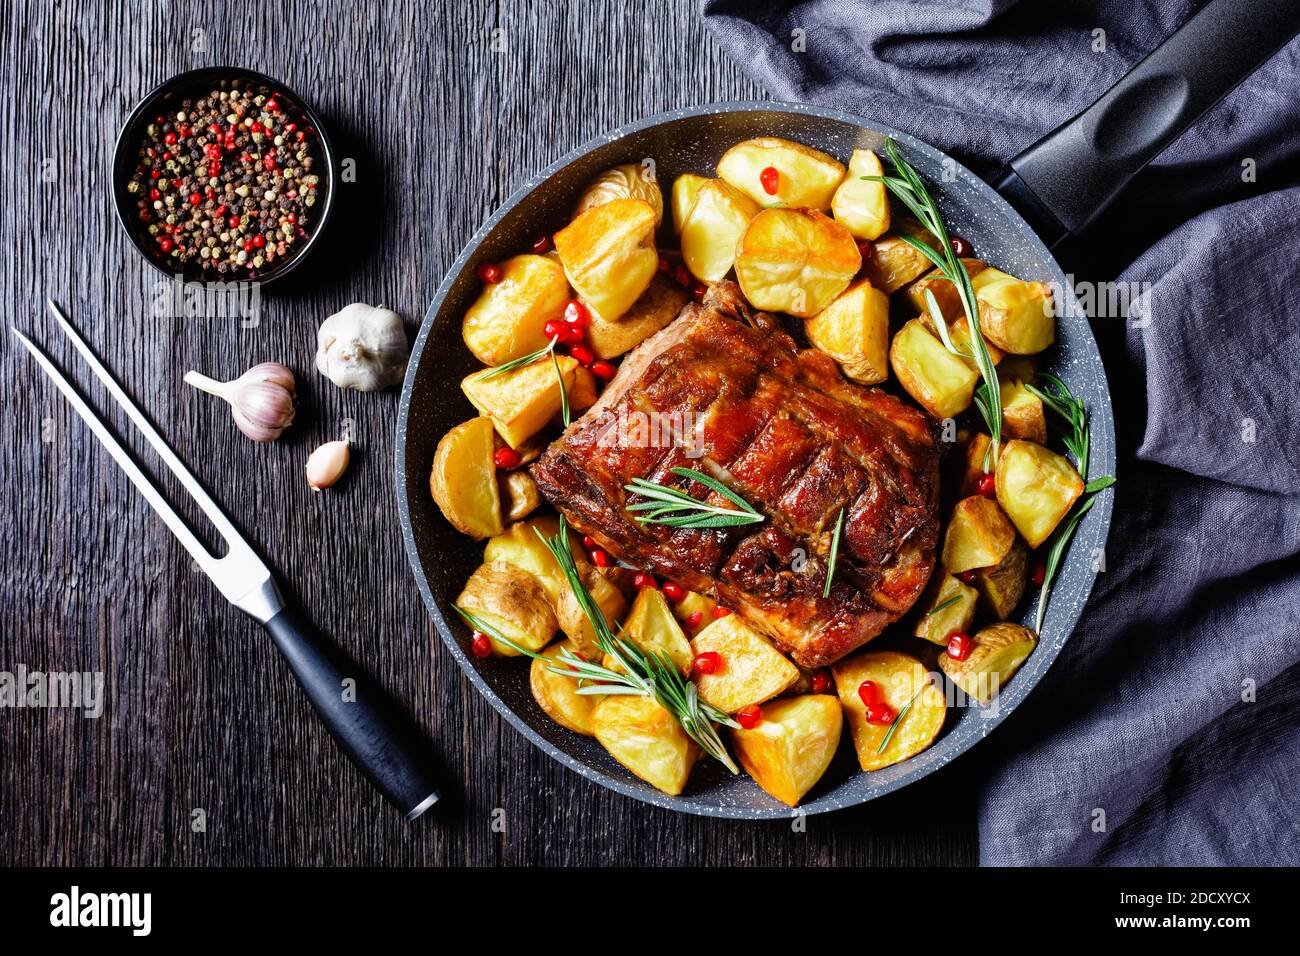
1054	189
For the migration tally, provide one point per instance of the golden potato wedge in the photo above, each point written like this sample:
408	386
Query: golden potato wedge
941	383
558	695
945	293
650	625
713	229
806	177
1015	315
901	679
854	330
1002	586
521	401
752	669
892	263
862	207
947	606
514	603
629	181
973	455
573	620
685	612
506	320
959	332
685	188
609	255
795	261
520	546
788	752
661	302
999	651
1036	488
521	494
978	536
583	392
1022	412
646	739
463	480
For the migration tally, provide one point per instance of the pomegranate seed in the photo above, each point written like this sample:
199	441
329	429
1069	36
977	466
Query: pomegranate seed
603	370
582	355
576	314
480	644
644	580
682	276
988	485
600	557
674	591
960	645
821	682
541	244
719	612
489	272
750	717
881	714
505	457
165	244
707	662
693	619
571	334
771	180
966	577
588	542
866	249
170	139
554	329
959	245
869	691
698	292
1039	575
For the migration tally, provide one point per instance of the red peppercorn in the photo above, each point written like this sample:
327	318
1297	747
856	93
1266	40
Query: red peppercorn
869	692
966	577
959	245
480	644
273	105
674	591
505	457
489	272
644	579
988	485
184	131
540	245
165	244
881	714
821	682
603	370
154	174
259	241
693	619
233	222
155	195
750	717
166	156
960	645
176	183
582	355
248	245
257	127
707	662
1039	575
169	139
576	315
770	177
720	611
212	150
214	169
600	557
214	129
588	541
290	127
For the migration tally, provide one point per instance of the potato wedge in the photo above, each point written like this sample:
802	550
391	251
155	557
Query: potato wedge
650	625
713	229
941	383
892	263
646	739
573	620
788	752
1022	412
463	480
978	536
521	401
752	669
862	207
999	651
805	176
685	612
629	181
1015	315
1002	586
901	679
583	392
945	293
854	330
558	695
661	302
685	188
955	603
795	261
505	322
521	494
520	546
1036	488
973	454
514	603
609	255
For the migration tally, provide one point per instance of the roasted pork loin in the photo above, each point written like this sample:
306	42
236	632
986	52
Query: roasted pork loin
725	390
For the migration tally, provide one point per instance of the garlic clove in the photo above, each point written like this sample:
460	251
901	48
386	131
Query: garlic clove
327	464
363	347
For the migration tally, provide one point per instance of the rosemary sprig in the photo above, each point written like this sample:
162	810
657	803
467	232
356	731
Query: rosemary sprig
677	509
835	554
1058	398
898	720
943	605
529	359
908	188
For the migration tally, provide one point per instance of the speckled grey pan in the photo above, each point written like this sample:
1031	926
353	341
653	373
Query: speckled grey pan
692	141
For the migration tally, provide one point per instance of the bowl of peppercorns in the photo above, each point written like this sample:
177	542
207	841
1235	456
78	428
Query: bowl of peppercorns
223	175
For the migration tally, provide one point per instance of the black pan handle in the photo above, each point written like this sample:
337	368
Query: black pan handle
369	728
1064	181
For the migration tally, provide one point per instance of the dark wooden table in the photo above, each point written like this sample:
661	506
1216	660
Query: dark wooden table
445	107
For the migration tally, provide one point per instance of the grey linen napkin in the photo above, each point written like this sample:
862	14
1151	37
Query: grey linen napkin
1168	732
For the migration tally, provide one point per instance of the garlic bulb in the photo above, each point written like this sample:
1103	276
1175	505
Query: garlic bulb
327	463
631	181
261	400
362	347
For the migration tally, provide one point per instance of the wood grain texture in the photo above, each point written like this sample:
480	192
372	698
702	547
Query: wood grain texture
200	712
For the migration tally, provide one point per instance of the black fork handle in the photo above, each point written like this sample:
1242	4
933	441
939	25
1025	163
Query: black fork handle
383	743
1064	181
